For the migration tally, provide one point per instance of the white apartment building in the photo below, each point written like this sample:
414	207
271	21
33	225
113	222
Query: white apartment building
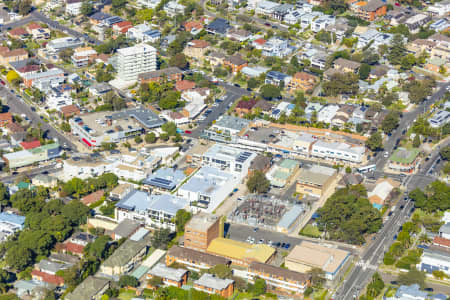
338	151
322	22
135	60
148	3
439	8
228	158
327	113
57	100
73	7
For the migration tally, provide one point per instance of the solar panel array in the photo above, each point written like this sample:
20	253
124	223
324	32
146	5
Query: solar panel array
243	156
162	183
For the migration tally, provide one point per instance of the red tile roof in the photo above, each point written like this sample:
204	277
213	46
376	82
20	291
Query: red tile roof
192	24
73	248
440	241
92	197
246	104
18	31
70	110
260	41
33	25
30	145
5	116
15	52
198	44
29	68
49	278
184	85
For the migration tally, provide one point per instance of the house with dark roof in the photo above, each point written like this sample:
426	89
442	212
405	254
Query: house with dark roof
260	163
218	26
91	288
235	62
171	73
245	107
346	65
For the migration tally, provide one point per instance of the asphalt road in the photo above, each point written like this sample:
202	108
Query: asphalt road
18	106
405	122
232	94
36	16
31	173
372	255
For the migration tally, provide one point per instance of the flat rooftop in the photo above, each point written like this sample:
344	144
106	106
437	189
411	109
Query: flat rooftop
97	123
202	221
316	174
312	254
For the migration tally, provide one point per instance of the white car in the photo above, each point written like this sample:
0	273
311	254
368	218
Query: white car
386	154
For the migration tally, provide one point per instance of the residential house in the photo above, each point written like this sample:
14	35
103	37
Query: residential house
127	256
82	56
235	62
125	229
143	33
18	33
345	65
184	85
196	49
69	111
5	118
322	22
276	46
91	288
369	10
215	58
8	56
245	107
218	26
211	284
121	27
416	21
169	276
280	279
381	192
46	270
171	74
280	11
239	35
174	8
10	223
193	27
302	81
409	292
343	115
434	260
277	78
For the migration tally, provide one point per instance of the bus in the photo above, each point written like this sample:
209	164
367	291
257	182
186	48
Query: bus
369	168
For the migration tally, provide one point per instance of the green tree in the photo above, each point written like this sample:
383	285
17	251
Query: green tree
98	248
413	276
269	91
252	83
118	4
170	128
145	15
397	50
416	141
258	183
364	71
221	271
127	280
150	138
138	139
18	258
66	54
179	60
155	281
338	84
87	8
24	7
259	287
408	61
376	286
181	218
65	127
161	238
317	276
375	141
390	122
445	153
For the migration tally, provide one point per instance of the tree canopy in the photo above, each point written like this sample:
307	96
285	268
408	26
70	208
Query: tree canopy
258	183
339	84
375	141
347	215
390	122
436	197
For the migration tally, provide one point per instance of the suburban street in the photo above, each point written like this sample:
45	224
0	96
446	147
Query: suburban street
18	106
36	16
30	173
372	255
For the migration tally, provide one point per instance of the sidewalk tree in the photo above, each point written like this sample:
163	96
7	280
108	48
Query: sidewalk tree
150	138
390	122
258	183
375	142
413	276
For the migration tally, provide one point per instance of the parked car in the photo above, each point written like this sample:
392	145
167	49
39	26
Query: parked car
187	131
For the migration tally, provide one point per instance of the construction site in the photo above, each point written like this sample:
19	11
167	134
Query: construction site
261	211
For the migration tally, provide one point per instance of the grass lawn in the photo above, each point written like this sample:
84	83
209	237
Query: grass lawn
320	295
311	231
127	295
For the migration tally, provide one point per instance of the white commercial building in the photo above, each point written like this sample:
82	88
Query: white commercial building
339	151
209	187
73	7
228	158
135	60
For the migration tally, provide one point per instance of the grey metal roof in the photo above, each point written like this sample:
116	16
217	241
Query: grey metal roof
126	227
88	288
211	281
126	252
291	216
162	271
445	228
143	115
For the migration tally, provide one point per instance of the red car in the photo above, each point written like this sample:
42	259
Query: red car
397	4
187	131
2	82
